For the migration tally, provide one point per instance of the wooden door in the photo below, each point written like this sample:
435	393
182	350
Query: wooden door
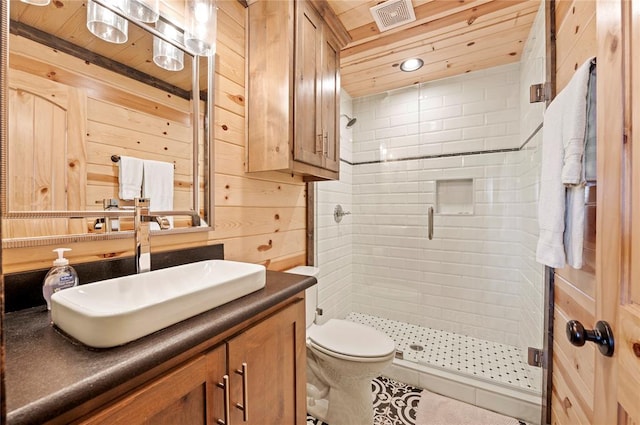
330	100
308	138
626	304
575	291
266	364
590	388
46	156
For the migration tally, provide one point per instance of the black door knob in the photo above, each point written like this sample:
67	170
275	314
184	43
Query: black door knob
601	335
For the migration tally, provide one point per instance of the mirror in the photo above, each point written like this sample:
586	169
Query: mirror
77	103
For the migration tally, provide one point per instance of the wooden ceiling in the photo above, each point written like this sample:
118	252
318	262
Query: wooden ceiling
451	36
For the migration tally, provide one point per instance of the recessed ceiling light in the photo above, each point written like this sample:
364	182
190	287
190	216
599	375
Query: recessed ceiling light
411	64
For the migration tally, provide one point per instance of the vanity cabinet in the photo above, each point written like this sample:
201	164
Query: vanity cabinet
251	377
179	397
293	86
262	362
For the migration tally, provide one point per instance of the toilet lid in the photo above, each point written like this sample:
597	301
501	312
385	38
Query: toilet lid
351	339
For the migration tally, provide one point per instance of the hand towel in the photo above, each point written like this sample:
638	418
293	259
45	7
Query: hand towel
129	177
590	151
560	208
158	187
574	124
551	201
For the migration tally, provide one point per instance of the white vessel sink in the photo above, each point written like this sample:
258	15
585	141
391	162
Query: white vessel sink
116	311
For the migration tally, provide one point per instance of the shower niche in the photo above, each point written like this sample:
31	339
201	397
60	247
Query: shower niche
454	197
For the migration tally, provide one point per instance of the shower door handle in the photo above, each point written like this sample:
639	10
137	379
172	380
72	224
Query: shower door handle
430	219
601	335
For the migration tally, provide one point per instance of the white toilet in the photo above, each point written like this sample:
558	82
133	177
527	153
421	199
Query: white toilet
342	359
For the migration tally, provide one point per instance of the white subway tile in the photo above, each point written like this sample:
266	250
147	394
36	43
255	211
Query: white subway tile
464	121
472	271
490	105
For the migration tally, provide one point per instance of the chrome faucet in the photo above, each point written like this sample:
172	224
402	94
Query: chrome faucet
141	229
141	219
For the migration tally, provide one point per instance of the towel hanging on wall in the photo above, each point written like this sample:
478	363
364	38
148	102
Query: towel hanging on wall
158	187
129	178
561	201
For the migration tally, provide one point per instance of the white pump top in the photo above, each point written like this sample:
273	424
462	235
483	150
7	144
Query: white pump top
61	261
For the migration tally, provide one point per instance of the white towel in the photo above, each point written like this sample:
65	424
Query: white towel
158	187
129	177
550	250
560	208
574	124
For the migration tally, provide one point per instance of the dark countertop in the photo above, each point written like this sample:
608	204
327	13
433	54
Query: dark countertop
48	374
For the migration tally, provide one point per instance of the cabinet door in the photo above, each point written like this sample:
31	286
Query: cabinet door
330	100
177	398
266	365
308	137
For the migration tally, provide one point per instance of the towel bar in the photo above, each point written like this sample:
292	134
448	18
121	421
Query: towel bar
116	158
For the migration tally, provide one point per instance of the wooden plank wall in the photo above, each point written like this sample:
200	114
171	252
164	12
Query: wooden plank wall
574	368
64	132
259	217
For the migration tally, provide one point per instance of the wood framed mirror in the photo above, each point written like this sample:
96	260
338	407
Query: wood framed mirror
76	104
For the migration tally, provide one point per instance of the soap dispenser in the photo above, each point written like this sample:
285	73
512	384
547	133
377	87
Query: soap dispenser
61	276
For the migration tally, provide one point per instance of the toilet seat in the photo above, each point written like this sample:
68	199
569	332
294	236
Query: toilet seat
350	341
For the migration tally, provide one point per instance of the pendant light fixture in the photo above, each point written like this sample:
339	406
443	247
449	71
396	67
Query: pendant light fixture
143	10
201	22
105	24
166	55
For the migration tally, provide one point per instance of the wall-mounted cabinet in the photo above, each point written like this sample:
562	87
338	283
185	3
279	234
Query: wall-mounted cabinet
293	86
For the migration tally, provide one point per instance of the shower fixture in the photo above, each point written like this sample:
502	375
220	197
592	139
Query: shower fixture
351	121
338	213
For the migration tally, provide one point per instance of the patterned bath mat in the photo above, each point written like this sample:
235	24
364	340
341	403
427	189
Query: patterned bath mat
395	403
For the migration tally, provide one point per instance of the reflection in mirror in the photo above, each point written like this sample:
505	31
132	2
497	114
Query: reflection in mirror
77	103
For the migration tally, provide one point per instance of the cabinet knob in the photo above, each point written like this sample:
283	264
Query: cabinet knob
601	335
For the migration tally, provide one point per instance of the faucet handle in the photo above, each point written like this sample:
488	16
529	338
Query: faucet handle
163	222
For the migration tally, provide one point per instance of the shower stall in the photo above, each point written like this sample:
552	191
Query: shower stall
442	181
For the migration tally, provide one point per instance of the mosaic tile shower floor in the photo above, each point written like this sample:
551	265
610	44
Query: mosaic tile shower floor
498	363
395	403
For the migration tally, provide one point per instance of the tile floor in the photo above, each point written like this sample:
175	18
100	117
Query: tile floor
395	403
458	353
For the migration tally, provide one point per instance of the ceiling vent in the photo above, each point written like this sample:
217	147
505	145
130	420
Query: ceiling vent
393	13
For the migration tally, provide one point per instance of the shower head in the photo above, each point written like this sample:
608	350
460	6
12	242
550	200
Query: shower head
351	121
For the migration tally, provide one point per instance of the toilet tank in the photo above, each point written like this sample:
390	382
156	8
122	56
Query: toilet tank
311	293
